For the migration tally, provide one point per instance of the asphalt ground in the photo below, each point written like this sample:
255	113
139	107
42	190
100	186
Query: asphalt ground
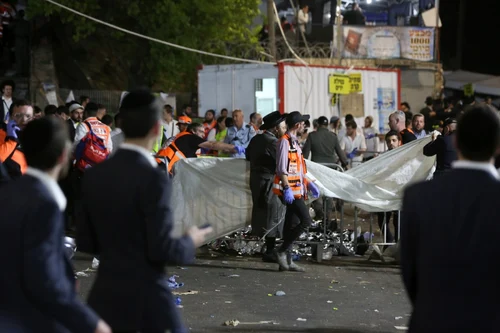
345	294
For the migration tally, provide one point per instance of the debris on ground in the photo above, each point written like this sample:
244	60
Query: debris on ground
334	282
301	319
182	293
336	242
173	284
401	328
398	318
82	274
233	322
280	293
329	302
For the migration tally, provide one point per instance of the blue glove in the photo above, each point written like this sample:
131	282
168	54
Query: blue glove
288	196
313	189
370	136
352	154
12	129
239	150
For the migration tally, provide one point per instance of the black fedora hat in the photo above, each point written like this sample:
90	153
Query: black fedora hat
272	120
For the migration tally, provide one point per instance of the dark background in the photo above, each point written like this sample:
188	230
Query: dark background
481	28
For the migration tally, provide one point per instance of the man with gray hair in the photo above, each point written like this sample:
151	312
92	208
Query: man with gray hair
397	122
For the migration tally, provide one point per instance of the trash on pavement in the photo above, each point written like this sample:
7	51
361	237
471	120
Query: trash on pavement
178	301
82	274
233	322
334	282
301	319
280	293
329	302
173	284
95	263
401	328
335	309
182	293
398	318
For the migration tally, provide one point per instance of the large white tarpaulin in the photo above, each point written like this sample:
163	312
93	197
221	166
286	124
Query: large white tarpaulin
216	190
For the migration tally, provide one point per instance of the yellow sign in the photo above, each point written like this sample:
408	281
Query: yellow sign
468	90
339	84
356	83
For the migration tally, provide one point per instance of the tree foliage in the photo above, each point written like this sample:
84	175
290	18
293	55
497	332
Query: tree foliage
212	26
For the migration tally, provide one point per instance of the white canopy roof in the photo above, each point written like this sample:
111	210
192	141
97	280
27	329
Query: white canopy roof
483	83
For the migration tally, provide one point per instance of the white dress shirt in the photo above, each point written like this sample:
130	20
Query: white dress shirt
482	166
138	149
170	129
51	185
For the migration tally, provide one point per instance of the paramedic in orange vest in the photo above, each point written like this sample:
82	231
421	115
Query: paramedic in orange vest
11	155
188	142
99	128
291	184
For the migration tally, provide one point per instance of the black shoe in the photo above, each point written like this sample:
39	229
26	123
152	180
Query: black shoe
269	257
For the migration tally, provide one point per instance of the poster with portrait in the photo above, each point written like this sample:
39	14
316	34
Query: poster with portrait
386	103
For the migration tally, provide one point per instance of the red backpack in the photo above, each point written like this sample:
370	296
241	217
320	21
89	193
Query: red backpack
90	151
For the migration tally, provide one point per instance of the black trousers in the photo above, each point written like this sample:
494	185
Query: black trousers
297	221
395	220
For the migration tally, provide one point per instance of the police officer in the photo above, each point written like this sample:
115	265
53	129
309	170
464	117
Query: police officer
240	134
267	211
291	183
443	147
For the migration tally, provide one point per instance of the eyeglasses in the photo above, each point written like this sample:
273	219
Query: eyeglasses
22	115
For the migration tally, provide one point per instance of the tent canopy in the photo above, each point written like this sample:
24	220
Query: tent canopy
483	83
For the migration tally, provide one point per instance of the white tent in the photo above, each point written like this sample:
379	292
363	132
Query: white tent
483	83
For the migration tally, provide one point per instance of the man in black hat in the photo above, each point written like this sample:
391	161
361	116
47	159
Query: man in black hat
292	185
429	113
443	147
267	211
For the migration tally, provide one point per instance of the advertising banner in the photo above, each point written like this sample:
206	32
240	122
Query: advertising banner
415	43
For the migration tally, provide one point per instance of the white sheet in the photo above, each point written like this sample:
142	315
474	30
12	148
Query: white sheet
216	191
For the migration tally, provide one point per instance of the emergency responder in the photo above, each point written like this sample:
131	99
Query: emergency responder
291	183
11	155
240	134
268	210
182	123
186	143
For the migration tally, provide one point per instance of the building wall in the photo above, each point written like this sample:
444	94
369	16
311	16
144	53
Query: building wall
232	87
416	85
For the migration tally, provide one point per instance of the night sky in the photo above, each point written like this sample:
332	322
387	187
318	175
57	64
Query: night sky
480	39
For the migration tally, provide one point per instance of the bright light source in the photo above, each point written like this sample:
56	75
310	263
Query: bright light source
368	1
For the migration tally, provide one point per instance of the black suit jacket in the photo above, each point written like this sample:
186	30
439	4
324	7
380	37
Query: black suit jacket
261	153
448	231
128	220
445	151
37	285
71	130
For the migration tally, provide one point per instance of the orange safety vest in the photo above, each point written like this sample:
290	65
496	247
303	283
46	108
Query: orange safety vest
208	127
99	128
172	152
296	167
10	154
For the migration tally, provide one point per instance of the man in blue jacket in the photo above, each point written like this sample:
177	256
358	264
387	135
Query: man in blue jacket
37	287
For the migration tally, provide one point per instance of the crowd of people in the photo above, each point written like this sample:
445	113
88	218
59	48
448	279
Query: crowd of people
125	221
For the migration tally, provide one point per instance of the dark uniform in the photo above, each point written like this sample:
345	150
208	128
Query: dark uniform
268	211
444	150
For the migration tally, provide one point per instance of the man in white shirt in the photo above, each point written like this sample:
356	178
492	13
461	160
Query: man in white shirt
353	144
169	124
7	90
303	18
117	135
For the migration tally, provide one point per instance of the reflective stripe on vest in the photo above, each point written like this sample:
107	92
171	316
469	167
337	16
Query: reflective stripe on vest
158	141
296	167
172	152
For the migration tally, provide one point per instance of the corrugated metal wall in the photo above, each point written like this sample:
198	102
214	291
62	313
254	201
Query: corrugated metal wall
231	86
306	90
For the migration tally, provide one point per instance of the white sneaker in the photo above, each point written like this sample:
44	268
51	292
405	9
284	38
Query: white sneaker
95	263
